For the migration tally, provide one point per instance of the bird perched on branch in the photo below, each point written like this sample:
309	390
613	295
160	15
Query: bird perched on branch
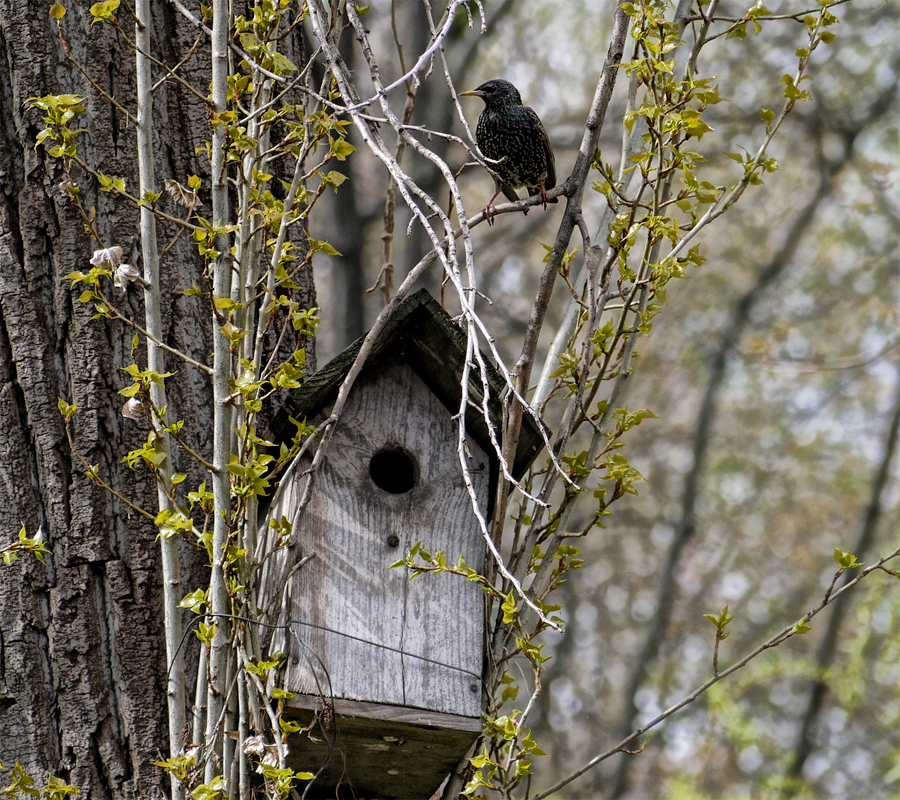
512	135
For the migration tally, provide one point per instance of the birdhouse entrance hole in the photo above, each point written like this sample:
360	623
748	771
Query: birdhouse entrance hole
394	470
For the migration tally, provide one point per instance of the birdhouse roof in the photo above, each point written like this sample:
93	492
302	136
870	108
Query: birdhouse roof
428	340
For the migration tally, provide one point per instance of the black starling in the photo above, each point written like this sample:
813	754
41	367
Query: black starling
512	134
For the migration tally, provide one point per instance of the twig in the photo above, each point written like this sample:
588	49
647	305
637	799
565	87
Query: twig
782	636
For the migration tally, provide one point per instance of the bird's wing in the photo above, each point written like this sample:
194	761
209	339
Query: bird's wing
548	150
510	193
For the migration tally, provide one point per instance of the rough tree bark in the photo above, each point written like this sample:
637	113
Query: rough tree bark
82	651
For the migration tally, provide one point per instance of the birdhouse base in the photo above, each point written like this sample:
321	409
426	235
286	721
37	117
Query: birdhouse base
378	752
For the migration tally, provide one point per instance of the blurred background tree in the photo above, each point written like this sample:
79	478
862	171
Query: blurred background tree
776	378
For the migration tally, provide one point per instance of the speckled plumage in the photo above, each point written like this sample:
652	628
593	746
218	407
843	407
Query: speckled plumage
512	134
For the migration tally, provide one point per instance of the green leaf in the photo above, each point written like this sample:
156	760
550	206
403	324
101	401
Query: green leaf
693	124
57	788
110	183
195	601
322	247
262	668
66	409
510	610
334	179
288	727
629	419
21	782
759	10
103	11
341	148
709	97
205	633
801	627
721	620
131	391
845	559
225	303
216	789
57	11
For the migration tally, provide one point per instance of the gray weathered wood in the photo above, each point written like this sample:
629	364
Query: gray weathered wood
379	751
421	640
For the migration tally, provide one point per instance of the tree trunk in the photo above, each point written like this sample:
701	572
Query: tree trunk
82	649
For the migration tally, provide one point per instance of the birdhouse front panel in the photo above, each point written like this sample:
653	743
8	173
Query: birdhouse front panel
390	477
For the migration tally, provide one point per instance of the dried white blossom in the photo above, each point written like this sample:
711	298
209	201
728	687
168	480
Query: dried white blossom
125	274
254	745
184	197
110	258
191	754
133	409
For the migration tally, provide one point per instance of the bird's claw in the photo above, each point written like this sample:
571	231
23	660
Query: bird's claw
489	212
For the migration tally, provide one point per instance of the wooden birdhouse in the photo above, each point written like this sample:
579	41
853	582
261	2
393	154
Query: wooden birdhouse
392	667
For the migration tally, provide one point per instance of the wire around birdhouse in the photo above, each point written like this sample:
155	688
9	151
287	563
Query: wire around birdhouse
387	647
287	627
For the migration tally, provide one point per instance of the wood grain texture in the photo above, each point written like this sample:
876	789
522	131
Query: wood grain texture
375	711
416	643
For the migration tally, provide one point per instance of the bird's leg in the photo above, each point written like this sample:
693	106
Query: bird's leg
488	210
543	195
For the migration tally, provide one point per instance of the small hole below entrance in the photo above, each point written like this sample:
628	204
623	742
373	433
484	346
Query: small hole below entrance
393	469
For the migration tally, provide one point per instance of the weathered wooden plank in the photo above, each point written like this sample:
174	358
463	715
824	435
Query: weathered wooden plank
378	751
376	711
414	643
